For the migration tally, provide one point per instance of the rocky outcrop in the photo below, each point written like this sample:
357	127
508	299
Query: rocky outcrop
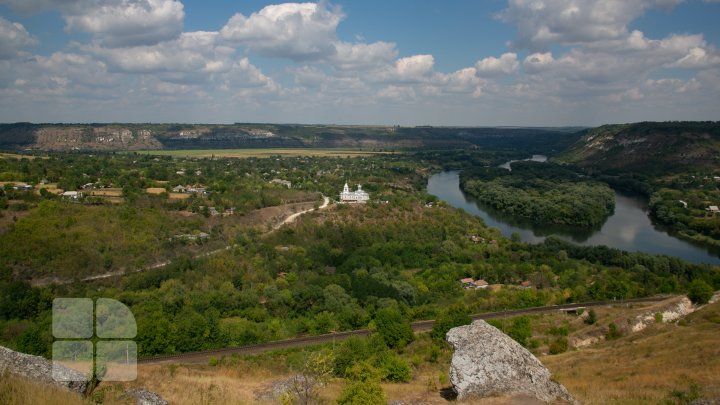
40	370
145	397
486	363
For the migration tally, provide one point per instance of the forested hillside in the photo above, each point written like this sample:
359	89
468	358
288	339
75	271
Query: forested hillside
657	147
119	137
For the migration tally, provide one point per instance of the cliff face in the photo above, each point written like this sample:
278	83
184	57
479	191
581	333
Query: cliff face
651	145
96	138
488	363
60	137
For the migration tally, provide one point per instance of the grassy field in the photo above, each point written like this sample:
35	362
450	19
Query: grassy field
667	363
248	153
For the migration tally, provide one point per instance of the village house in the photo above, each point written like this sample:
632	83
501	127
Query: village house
467	282
281	182
713	209
357	196
470	284
683	203
71	195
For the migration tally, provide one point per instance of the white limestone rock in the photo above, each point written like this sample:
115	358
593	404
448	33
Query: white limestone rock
488	363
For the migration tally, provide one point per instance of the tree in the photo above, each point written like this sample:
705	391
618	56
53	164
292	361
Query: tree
452	317
316	371
700	292
365	387
393	327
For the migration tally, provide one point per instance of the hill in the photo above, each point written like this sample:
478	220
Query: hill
115	137
652	146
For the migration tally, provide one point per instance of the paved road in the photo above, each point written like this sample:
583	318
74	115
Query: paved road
204	356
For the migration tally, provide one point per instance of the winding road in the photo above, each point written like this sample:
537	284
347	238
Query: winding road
290	218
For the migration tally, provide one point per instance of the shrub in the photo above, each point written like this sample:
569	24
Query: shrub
393	327
591	318
700	292
362	393
395	369
454	316
613	332
560	345
521	330
559	330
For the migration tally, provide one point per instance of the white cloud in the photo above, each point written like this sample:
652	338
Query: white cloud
13	38
697	58
506	64
538	62
297	31
362	56
541	23
397	93
413	68
119	23
191	52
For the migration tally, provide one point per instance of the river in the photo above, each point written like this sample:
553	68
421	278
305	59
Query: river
628	228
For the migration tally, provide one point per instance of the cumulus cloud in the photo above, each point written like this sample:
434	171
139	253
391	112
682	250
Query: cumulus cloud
298	31
506	64
191	52
362	56
413	68
13	38
541	23
121	23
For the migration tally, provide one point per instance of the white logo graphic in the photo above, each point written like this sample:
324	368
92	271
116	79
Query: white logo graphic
95	343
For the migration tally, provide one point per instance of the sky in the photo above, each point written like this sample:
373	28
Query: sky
397	62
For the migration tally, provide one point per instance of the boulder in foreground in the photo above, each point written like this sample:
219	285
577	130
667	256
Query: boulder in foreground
488	363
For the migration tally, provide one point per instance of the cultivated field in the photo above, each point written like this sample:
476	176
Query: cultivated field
260	153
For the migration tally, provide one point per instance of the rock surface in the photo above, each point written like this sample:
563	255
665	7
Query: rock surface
40	370
487	362
145	397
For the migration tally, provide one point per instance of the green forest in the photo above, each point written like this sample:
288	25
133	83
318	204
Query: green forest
545	192
378	265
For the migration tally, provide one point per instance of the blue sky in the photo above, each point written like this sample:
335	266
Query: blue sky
407	62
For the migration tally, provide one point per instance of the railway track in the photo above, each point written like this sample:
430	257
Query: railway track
202	357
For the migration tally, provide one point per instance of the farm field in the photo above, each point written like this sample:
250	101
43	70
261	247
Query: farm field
260	153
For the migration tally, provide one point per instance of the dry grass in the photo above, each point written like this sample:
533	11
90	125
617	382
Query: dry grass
178	196
155	190
107	192
647	366
21	391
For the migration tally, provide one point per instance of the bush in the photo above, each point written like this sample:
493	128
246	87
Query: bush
700	292
393	327
560	345
362	393
559	330
521	330
395	369
454	316
613	332
591	318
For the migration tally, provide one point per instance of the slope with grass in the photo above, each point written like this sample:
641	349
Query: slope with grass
650	146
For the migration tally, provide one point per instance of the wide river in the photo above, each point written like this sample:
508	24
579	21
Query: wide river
628	228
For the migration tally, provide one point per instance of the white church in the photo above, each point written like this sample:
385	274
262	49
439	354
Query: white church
357	196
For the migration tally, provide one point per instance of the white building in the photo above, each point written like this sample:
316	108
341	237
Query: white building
358	195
